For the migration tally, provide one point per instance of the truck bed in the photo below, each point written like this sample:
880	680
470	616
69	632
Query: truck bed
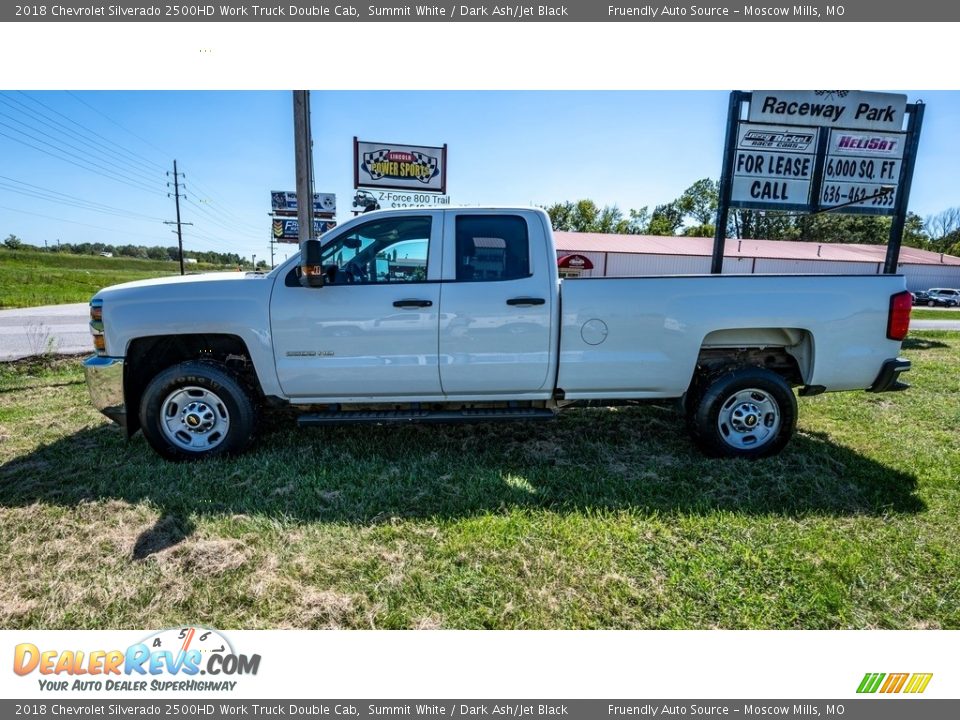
640	337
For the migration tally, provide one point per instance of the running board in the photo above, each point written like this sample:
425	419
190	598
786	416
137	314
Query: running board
424	416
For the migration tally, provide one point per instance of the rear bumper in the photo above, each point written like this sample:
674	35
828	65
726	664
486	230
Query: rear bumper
104	377
889	378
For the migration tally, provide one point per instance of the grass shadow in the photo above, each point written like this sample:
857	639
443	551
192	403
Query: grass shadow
634	459
915	343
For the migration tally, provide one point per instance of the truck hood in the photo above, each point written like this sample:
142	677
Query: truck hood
202	278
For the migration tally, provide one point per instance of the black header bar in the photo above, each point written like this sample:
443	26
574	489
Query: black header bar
475	11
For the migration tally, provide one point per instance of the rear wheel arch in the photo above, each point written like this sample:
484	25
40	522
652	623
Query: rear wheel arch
746	412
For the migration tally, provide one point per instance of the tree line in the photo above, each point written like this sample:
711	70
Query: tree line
694	212
141	252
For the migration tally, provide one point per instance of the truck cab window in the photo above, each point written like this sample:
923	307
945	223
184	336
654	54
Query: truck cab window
492	247
383	251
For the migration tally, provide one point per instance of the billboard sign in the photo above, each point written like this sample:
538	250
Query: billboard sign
819	151
284	202
399	167
773	164
288	229
829	108
862	169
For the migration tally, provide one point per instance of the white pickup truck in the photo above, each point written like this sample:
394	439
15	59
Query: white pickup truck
459	315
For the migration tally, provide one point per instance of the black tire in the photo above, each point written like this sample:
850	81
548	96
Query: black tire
931	303
196	410
754	424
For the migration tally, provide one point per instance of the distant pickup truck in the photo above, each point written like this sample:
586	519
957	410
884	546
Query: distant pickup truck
459	315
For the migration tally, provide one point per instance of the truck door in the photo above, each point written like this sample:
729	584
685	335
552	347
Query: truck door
497	304
371	330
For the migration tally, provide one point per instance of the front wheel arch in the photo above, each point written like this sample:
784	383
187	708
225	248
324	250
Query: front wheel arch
196	409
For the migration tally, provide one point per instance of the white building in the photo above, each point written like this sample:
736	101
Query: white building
624	255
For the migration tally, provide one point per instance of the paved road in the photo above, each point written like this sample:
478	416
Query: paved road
27	331
935	324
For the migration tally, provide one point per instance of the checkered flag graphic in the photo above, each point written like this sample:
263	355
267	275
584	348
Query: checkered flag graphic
429	162
370	158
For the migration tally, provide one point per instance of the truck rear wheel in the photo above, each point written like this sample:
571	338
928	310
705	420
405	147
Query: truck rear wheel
195	410
747	413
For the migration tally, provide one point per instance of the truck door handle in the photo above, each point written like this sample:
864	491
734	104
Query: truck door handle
526	301
412	303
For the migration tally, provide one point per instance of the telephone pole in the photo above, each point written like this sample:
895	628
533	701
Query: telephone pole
176	196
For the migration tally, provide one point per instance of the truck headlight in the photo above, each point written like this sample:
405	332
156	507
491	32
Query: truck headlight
96	326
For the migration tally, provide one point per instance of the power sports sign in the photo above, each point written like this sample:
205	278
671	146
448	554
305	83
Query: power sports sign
399	167
819	151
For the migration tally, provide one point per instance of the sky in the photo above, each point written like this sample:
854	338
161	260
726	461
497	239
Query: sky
92	166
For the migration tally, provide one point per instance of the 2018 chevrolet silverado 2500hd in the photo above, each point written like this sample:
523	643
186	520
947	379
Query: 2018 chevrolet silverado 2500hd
459	314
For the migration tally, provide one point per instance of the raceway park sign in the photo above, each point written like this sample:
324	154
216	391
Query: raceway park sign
399	167
829	108
819	150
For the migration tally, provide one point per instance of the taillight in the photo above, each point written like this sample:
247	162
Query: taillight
898	322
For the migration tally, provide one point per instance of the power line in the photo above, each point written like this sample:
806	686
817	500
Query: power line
107	151
75	222
215	205
71	145
108	175
85	128
57	195
69	203
214	221
125	129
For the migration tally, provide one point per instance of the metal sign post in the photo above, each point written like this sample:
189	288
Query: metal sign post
914	123
820	151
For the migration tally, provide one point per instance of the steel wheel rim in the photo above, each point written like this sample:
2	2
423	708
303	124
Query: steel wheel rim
749	419
194	419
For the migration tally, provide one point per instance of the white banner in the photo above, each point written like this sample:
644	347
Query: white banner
461	664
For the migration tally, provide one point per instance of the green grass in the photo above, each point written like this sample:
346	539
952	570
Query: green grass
922	313
602	519
30	278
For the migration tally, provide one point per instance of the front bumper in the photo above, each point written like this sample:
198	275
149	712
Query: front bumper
888	379
105	382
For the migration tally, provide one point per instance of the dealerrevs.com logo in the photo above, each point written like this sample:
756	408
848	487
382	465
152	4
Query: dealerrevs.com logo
172	659
890	683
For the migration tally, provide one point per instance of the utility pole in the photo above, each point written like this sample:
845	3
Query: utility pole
311	271
176	196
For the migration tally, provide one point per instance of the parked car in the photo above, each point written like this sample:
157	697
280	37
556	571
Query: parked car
943	297
920	297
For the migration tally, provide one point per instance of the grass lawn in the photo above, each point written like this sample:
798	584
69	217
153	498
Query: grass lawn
30	278
602	519
923	313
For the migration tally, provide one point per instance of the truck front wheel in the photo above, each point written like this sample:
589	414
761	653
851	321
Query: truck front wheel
748	413
195	410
